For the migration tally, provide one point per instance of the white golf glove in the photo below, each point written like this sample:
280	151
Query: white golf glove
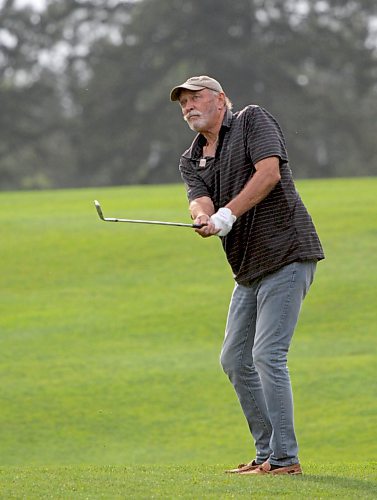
223	219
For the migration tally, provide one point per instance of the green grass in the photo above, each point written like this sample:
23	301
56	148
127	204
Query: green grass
193	481
109	344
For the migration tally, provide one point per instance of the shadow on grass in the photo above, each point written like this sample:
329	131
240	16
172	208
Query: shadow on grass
351	485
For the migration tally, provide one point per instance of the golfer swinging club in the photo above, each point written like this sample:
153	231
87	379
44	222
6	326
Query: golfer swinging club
240	184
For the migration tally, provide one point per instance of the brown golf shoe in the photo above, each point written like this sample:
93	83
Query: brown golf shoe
243	468
267	468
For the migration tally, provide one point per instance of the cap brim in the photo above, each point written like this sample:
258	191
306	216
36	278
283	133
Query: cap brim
174	94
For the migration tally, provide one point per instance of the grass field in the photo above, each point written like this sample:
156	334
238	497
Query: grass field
109	343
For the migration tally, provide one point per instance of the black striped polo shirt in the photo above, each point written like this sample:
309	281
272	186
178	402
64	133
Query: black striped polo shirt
277	231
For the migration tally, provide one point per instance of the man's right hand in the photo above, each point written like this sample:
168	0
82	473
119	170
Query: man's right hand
207	230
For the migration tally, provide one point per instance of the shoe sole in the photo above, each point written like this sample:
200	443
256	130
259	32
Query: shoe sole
276	472
240	470
292	472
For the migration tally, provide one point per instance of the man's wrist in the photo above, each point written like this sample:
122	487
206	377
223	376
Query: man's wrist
223	220
231	214
200	215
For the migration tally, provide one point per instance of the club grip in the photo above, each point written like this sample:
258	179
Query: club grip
199	226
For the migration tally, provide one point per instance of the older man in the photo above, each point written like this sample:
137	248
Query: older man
240	185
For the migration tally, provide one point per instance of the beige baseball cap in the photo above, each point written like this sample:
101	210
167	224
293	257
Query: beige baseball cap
196	83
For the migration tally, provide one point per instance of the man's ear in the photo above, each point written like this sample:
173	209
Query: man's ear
221	97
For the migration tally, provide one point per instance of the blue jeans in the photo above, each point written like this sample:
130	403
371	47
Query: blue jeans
261	321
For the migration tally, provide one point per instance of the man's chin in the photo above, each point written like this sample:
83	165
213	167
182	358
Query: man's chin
196	125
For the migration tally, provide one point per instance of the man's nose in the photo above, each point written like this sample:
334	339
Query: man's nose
189	106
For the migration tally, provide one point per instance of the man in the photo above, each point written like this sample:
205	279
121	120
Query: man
240	185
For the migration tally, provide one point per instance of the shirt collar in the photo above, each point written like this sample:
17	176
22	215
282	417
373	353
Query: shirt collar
228	117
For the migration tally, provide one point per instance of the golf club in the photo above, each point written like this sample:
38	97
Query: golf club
135	221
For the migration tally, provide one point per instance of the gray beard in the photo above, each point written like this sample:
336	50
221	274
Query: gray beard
197	125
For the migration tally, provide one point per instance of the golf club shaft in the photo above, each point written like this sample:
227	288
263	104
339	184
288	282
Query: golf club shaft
157	222
138	221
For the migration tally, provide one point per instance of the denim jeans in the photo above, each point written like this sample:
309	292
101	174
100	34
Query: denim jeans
261	321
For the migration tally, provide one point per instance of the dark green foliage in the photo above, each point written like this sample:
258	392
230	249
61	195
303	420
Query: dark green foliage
96	110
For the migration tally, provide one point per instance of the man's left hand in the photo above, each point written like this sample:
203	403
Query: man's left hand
223	221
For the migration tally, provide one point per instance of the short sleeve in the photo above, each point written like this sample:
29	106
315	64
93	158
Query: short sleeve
195	184
264	136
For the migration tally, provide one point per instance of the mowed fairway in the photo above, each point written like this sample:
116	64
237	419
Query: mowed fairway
110	337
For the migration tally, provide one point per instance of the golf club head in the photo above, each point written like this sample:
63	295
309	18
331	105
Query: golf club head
98	208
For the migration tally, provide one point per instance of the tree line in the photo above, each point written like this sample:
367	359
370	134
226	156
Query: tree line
84	85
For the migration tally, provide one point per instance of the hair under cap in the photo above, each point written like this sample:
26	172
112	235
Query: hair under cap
196	83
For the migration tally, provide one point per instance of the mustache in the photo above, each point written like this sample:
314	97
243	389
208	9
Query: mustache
190	114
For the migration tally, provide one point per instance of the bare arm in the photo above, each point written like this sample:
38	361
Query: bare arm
266	177
264	180
202	208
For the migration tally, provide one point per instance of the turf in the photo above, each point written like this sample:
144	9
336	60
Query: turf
192	481
110	335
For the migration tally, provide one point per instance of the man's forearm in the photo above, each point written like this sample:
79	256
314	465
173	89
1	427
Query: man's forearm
259	186
264	180
202	206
